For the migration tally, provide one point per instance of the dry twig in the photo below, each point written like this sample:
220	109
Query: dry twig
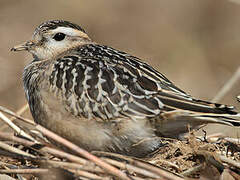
228	86
229	161
82	152
19	112
14	150
24	171
15	127
11	113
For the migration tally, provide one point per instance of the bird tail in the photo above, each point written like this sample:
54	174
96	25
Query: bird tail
227	119
183	112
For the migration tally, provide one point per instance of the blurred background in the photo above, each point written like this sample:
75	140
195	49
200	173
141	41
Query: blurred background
196	44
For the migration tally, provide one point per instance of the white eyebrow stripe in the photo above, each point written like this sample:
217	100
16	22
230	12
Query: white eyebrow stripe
68	31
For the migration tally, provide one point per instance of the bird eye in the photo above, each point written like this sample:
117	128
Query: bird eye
59	36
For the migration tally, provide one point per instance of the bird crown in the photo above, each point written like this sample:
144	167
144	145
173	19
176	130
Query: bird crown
53	24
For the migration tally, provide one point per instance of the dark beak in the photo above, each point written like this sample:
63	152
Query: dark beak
23	47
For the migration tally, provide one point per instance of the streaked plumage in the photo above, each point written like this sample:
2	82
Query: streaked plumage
104	99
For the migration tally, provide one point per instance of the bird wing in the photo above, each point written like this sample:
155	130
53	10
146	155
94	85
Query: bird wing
95	87
105	83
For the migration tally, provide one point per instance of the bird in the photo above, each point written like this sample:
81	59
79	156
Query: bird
103	99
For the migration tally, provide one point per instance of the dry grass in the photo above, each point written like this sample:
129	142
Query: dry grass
209	157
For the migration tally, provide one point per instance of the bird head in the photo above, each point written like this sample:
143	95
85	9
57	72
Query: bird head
52	38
